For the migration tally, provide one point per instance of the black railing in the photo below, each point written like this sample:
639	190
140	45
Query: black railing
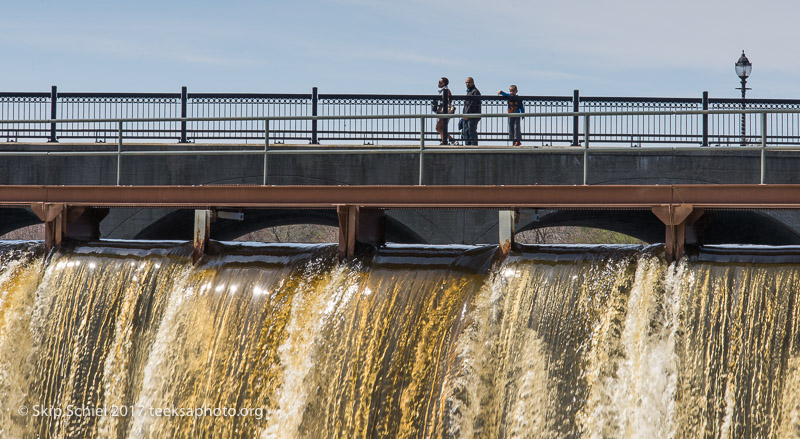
633	130
25	106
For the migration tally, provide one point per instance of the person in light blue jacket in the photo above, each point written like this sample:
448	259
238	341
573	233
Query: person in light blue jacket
515	105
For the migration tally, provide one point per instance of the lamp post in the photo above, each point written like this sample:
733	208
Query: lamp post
743	69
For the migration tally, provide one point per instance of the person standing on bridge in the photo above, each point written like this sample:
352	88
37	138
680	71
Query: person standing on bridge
514	106
444	105
472	105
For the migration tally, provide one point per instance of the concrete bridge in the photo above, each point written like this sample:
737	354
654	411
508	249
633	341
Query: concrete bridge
634	141
29	164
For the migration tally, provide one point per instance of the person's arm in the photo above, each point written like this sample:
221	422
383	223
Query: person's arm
502	93
468	103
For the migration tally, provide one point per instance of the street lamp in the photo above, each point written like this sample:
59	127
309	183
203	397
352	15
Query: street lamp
743	69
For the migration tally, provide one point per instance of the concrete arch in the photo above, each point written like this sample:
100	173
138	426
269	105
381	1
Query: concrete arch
720	227
179	224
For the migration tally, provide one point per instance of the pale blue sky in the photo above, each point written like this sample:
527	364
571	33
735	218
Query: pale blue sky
603	48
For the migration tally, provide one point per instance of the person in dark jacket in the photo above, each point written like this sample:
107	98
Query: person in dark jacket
472	105
514	106
442	106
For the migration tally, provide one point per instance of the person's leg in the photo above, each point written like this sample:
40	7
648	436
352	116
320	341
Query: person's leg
473	131
442	136
516	130
445	134
511	130
465	130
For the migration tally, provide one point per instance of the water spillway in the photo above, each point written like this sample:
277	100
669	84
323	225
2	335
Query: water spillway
128	340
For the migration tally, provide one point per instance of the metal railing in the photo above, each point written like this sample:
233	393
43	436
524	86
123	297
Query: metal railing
209	117
268	137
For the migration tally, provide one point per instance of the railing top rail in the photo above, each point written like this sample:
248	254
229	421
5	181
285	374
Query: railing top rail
120	95
436	96
334	96
23	94
738	101
641	99
249	95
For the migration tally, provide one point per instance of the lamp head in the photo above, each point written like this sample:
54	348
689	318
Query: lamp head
743	67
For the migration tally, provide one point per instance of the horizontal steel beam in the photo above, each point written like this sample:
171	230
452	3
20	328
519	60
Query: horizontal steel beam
408	116
425	197
384	150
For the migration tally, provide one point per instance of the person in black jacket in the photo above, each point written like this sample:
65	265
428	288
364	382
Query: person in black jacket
472	105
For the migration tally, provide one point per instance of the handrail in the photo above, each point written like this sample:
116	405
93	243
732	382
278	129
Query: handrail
409	116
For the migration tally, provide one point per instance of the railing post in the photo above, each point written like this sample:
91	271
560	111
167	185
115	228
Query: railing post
585	149
575	124
202	232
314	99
763	146
266	148
119	151
421	147
184	105
705	119
505	222
53	113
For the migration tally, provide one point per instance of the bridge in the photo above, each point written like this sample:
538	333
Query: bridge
607	141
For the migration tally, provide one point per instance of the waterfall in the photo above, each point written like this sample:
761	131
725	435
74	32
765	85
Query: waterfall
130	340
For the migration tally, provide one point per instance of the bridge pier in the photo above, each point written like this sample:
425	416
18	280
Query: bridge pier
63	221
358	225
506	225
679	221
54	224
202	230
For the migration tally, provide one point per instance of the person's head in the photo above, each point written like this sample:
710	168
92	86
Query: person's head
512	89
443	82
470	82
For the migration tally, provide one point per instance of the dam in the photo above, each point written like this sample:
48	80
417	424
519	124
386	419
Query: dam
132	340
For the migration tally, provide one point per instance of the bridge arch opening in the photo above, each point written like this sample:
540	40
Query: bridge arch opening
19	223
315	225
26	233
575	235
714	227
293	233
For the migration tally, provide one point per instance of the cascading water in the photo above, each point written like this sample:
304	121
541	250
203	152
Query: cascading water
126	341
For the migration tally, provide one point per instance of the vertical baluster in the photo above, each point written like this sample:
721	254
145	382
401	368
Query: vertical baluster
585	149
421	149
119	152
763	146
266	149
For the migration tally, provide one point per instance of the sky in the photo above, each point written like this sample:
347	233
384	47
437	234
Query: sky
675	48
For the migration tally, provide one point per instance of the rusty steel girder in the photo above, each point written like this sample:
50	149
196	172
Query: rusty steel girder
460	197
